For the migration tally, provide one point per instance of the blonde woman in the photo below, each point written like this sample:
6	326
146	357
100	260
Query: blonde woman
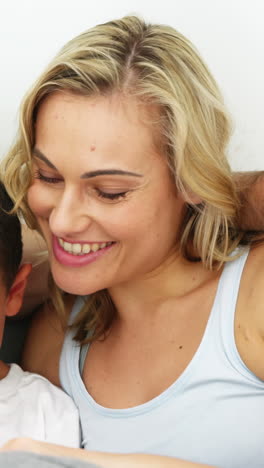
120	163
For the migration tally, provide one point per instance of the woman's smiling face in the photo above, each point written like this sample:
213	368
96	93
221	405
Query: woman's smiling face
101	193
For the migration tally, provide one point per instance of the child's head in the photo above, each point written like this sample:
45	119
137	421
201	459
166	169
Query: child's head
12	277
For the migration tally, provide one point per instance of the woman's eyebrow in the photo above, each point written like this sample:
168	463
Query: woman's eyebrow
38	154
87	175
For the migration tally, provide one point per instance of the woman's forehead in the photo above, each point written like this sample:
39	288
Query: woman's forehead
98	124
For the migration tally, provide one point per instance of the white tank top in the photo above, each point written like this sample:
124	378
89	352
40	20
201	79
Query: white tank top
213	413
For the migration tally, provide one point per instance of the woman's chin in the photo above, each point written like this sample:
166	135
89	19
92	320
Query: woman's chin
73	286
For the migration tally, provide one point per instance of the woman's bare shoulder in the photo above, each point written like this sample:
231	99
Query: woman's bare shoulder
256	286
249	324
254	272
44	341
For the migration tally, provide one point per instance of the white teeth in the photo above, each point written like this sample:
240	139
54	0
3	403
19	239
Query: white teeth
76	248
86	248
67	246
82	249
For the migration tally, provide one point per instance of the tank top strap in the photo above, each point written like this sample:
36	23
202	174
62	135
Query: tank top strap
228	291
69	349
82	357
229	284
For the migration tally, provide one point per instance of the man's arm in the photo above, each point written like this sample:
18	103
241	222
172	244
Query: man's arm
105	460
250	188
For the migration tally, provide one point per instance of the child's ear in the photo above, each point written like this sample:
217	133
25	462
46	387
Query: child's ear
16	293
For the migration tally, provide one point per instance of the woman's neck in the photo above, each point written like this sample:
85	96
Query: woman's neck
177	278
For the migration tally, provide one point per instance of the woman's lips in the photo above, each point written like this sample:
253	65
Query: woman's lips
79	257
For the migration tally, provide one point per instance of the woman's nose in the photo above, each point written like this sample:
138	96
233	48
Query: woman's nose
68	217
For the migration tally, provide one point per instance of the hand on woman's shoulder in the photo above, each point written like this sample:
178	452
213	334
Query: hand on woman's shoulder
44	341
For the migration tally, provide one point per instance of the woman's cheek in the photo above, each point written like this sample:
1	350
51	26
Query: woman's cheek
40	200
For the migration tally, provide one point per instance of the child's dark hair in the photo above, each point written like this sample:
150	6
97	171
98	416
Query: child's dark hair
10	240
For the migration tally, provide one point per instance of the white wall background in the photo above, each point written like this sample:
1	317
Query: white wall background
228	33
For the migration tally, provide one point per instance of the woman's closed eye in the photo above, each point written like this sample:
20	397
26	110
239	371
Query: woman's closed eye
111	195
48	179
106	195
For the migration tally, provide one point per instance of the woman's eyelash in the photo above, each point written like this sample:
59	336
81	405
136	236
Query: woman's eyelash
49	180
110	196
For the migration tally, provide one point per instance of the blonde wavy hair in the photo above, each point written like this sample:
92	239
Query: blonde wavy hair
160	66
